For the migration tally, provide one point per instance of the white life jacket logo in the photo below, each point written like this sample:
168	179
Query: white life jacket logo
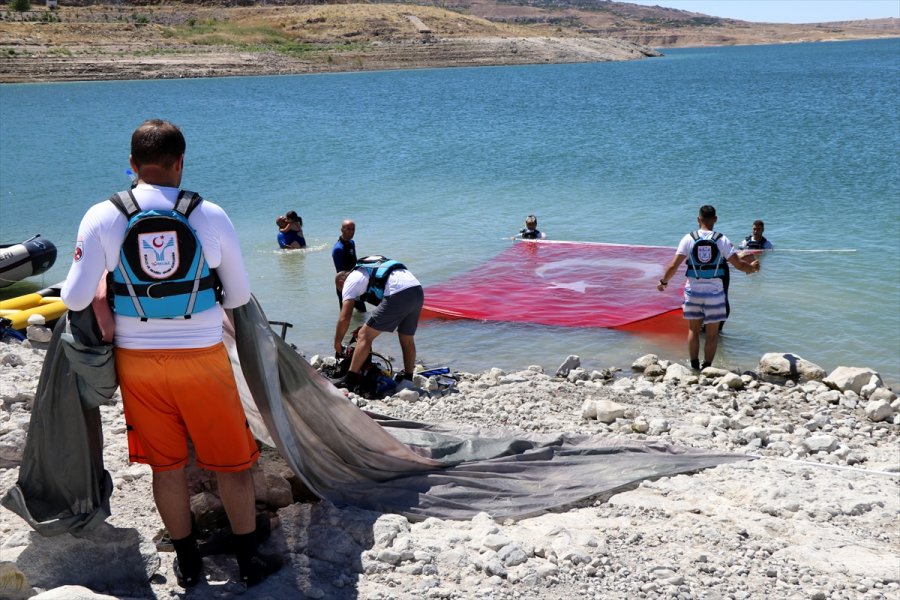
159	253
704	253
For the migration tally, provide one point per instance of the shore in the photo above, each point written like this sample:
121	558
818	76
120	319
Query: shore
173	40
179	41
815	516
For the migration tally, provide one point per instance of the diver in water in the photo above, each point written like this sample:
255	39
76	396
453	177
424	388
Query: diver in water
531	231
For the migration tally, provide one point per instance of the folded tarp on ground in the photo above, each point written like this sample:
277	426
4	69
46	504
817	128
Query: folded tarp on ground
350	458
63	486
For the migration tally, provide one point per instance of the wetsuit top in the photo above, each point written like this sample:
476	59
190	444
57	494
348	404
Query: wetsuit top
286	238
531	234
343	254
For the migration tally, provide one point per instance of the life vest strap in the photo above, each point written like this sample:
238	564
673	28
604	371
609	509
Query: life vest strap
164	289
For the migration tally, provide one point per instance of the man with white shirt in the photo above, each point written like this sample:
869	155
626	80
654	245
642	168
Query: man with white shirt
398	298
174	267
706	252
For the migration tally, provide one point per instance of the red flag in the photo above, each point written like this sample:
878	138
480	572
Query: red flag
572	284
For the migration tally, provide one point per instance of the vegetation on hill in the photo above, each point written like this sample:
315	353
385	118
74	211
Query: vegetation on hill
225	38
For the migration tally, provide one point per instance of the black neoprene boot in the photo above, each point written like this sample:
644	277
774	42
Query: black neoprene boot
254	566
350	381
188	562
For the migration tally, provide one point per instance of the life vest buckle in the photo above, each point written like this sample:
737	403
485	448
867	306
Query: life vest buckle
152	287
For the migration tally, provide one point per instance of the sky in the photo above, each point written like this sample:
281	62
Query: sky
785	11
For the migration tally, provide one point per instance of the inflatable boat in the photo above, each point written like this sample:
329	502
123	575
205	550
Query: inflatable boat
31	257
46	302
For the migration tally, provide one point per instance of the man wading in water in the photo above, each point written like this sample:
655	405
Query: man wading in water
706	253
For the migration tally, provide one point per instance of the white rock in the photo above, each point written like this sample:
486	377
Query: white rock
608	411
679	372
625	384
820	443
38	333
37	320
719	422
407	395
776	366
879	410
72	592
851	378
883	393
658	426
645	361
572	362
589	409
732	381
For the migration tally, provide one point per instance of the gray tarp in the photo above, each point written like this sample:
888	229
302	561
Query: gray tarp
347	456
63	487
340	452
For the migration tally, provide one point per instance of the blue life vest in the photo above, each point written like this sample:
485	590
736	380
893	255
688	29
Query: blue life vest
162	273
751	244
530	234
705	261
379	269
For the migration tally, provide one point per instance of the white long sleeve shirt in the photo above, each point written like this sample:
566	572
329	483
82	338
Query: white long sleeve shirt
100	238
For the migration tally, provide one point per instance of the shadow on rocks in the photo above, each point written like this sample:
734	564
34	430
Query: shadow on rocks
115	561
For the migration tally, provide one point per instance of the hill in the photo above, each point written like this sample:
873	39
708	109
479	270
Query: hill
150	41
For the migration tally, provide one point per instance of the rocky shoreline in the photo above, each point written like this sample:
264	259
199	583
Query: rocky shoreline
814	517
185	40
380	56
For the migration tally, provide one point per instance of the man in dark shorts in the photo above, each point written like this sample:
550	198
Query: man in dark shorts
398	298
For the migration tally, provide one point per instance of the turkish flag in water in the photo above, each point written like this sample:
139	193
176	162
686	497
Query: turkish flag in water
573	284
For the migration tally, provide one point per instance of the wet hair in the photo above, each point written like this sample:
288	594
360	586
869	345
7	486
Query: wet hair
293	216
531	221
707	211
157	142
760	223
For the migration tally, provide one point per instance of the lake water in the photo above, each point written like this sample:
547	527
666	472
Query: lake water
438	166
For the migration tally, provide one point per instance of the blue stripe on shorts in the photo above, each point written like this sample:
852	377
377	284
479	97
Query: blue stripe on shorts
706	305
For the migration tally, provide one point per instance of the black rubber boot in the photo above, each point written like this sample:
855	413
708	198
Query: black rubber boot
695	364
254	566
349	381
188	562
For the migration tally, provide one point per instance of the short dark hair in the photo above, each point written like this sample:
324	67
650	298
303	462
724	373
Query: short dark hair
760	223
707	211
157	142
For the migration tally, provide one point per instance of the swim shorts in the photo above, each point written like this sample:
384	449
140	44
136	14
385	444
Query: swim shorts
170	395
399	311
706	302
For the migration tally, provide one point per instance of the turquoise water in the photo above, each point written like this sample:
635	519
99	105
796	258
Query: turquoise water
438	166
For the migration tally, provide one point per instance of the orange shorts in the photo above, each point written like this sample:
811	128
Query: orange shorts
169	395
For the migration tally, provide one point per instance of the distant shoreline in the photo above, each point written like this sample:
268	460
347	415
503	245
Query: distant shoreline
177	41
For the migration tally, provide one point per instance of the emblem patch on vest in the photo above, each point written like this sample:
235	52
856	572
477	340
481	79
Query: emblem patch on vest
704	254
159	253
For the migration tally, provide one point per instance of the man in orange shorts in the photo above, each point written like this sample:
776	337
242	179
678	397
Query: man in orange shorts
175	267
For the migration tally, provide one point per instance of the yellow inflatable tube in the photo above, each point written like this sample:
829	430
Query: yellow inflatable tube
18	309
